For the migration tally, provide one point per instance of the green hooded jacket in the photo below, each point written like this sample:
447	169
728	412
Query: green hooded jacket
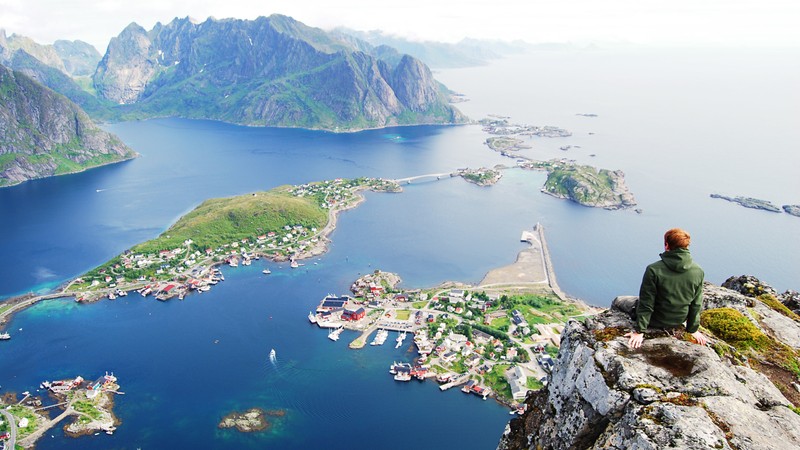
671	293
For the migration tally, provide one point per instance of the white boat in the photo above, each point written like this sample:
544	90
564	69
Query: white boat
400	338
294	264
312	317
5	336
246	262
402	376
233	262
334	334
111	296
380	337
272	355
266	271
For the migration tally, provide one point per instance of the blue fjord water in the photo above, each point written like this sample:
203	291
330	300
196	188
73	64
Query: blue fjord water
666	119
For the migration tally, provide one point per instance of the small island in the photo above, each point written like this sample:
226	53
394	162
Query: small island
482	176
749	202
793	210
582	184
91	402
587	185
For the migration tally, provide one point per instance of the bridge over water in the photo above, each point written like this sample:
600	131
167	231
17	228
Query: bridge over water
426	177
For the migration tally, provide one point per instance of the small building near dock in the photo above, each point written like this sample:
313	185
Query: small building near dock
332	303
354	315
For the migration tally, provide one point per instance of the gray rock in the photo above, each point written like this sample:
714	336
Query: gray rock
720	297
748	285
669	393
778	325
791	299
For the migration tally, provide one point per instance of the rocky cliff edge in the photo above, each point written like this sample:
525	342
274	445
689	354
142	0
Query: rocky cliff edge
739	392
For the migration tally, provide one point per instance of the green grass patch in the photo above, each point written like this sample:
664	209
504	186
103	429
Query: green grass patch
534	384
403	314
775	304
88	408
224	220
734	328
458	366
20	412
496	380
501	323
419	305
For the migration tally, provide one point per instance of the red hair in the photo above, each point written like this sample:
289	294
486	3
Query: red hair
677	238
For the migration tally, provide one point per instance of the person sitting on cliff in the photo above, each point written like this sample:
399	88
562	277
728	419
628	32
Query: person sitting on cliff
671	292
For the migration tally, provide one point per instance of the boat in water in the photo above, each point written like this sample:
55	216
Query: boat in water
5	336
294	264
380	337
401	371
272	356
266	271
400	338
334	334
312	317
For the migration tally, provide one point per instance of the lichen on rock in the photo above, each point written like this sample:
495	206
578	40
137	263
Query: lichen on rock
670	393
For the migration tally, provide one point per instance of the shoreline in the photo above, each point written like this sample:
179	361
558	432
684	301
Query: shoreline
84	169
458	310
22	302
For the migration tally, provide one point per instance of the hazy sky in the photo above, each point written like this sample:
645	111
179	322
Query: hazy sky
662	22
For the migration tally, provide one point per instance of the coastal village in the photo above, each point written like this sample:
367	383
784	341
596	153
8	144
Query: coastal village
494	340
193	266
24	421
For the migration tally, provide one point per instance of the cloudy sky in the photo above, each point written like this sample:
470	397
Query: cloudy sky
751	23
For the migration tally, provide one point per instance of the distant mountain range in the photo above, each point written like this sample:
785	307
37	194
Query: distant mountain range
271	71
440	55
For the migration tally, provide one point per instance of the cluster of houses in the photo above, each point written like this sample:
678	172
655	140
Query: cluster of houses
107	382
333	192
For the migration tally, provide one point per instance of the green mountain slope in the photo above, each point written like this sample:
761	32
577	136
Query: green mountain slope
272	71
42	133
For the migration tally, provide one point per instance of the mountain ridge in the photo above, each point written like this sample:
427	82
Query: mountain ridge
271	71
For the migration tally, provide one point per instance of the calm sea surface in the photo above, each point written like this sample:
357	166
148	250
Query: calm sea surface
680	124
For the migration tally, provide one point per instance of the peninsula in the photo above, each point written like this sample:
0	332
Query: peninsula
288	223
497	338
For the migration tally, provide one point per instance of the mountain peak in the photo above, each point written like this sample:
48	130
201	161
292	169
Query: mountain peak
271	71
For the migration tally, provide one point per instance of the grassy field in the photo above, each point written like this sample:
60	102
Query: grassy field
224	220
403	314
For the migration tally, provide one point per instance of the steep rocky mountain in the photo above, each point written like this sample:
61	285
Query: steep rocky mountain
739	392
61	83
47	54
272	71
42	133
64	67
73	58
80	58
